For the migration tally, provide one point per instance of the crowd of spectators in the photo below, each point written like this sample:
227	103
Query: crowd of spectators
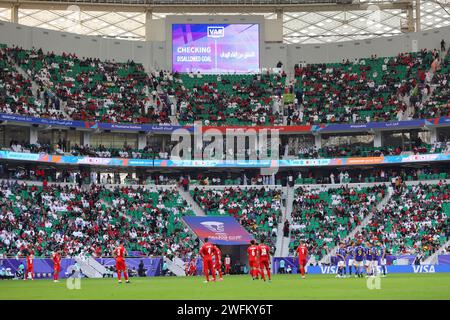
125	152
367	89
91	89
91	221
100	151
342	151
414	220
258	209
434	104
16	94
323	217
229	99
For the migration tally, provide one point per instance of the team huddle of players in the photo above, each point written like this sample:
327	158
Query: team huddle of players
212	261
361	258
258	258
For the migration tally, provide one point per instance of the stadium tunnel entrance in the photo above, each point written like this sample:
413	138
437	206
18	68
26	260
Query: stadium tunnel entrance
238	255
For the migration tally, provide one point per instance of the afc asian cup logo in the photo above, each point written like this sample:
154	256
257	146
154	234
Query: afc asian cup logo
214	226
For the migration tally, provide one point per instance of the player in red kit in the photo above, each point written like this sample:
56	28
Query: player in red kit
252	252
192	268
258	270
30	267
227	264
56	257
264	260
218	262
119	254
302	253
207	252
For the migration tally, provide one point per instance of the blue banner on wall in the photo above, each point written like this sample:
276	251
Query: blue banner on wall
292	263
156	128
94	125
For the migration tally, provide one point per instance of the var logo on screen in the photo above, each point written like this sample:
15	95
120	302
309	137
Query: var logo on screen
216	32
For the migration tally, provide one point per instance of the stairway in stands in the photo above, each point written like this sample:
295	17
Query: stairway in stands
35	87
366	220
90	267
194	205
282	245
433	259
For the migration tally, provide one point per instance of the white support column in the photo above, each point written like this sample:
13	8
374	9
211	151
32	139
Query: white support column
148	24
410	17
377	139
142	141
163	144
86	138
418	16
33	135
280	14
15	13
318	141
433	135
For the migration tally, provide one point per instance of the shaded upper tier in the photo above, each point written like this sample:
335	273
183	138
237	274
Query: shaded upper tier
409	85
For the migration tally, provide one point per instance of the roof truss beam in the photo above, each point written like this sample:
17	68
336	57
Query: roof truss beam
202	8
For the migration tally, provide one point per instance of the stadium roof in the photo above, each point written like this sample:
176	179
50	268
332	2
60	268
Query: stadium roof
304	21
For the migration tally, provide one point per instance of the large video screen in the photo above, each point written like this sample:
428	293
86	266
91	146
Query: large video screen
215	48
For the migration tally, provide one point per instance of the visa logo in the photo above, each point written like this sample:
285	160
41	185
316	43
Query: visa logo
328	269
216	32
424	269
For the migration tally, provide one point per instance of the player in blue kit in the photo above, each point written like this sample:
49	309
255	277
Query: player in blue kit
382	258
360	253
340	255
368	263
351	257
376	254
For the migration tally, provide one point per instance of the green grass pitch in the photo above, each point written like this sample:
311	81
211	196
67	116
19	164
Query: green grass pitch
394	286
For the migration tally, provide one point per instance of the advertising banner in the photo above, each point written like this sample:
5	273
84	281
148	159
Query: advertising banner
125	162
157	128
292	263
220	230
94	125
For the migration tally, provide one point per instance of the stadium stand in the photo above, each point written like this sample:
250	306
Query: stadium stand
414	220
91	221
91	89
16	94
368	89
324	217
355	151
258	209
229	99
437	104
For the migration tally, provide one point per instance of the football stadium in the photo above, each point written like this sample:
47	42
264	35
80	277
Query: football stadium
224	150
